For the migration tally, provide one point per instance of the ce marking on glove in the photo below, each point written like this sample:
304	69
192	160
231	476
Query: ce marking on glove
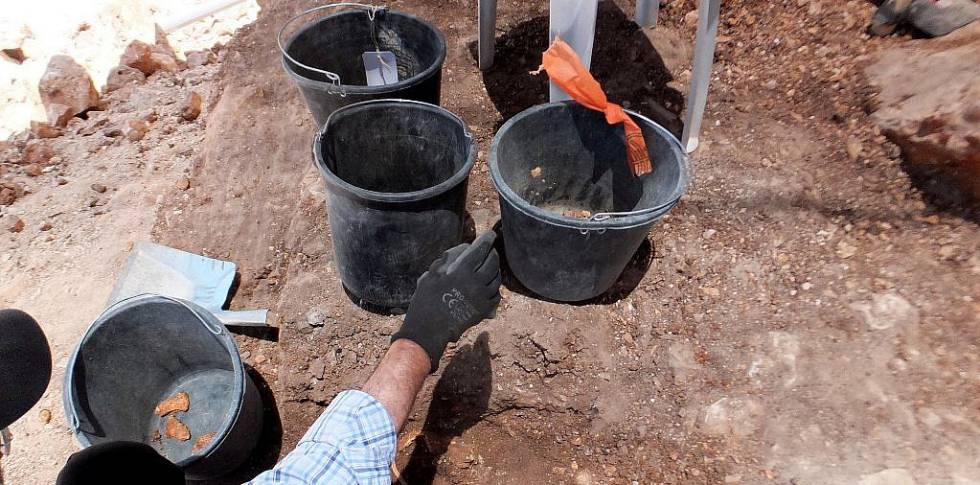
457	305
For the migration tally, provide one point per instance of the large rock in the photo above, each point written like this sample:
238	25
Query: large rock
929	104
149	58
66	90
940	17
932	17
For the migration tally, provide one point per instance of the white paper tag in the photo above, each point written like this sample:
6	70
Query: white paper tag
381	68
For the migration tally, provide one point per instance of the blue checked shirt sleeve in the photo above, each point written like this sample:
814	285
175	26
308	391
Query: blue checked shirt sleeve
352	442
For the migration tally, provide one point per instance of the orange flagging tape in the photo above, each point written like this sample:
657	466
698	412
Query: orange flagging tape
566	70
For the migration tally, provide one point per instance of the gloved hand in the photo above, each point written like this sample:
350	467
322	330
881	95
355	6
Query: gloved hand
459	290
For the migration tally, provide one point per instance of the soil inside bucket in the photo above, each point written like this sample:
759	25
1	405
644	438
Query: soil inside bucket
335	43
566	159
394	150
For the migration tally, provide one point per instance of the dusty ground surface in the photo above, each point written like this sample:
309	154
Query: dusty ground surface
806	315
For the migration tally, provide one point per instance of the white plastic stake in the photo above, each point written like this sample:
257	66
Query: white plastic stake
647	12
704	54
574	21
193	14
488	27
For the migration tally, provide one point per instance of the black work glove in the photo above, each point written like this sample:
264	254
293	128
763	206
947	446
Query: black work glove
459	290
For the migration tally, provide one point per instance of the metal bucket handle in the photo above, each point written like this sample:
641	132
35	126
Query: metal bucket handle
334	79
73	420
603	216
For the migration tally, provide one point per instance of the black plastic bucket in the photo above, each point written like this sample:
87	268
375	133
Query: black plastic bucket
396	173
145	349
551	163
324	57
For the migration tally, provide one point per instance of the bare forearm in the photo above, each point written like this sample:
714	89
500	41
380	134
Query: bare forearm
398	378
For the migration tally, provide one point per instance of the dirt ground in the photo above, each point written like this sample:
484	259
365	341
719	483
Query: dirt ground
807	314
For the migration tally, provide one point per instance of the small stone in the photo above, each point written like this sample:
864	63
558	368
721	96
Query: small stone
41	129
854	149
176	429
711	292
36	151
99	188
260	359
15	54
733	478
33	170
121	76
7	195
135	129
887	310
12	223
318	368
59	114
66	83
320	396
148	58
316	317
806	286
202	442
46	226
583	478
183	183
845	250
739	416
45	416
198	58
691	18
890	476
708	233
535	172
191	106
947	251
180	401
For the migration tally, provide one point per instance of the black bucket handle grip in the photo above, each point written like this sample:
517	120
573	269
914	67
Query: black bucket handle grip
334	79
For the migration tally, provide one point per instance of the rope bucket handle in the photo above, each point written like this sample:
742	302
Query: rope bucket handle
334	79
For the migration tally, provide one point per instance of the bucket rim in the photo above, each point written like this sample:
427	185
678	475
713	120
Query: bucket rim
336	183
223	336
650	214
345	89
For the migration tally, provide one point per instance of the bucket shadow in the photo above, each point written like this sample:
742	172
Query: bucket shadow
624	61
628	280
459	401
266	452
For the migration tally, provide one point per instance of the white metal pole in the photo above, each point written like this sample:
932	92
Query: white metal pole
704	54
574	21
488	27
647	12
175	22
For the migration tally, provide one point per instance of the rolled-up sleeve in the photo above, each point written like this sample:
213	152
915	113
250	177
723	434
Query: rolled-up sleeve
353	441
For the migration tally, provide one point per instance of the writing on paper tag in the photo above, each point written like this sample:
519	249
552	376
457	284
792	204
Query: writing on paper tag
381	68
